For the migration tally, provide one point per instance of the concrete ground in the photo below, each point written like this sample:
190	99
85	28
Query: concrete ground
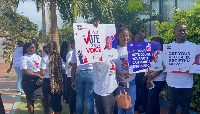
8	87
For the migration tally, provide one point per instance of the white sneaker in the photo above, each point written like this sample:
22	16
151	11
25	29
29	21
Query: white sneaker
18	93
23	94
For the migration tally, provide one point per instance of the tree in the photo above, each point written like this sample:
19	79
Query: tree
17	26
66	33
109	12
41	4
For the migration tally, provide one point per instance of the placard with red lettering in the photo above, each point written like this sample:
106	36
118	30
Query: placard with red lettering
95	44
178	58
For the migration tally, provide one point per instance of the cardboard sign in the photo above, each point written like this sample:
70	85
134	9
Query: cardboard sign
95	44
140	55
179	58
195	60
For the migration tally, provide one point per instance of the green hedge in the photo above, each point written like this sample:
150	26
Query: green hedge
191	18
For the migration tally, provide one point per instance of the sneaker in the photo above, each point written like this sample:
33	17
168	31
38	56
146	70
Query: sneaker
18	93
23	94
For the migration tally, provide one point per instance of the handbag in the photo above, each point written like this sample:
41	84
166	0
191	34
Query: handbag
124	100
123	84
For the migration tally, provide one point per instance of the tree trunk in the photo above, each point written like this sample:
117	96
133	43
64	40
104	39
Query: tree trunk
49	25
44	37
54	30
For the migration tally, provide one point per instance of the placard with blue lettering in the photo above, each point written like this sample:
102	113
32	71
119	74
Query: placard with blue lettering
140	55
178	58
95	44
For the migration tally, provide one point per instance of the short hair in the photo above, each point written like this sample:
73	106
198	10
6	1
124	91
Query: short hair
121	29
72	41
19	42
44	47
178	26
158	39
36	44
142	34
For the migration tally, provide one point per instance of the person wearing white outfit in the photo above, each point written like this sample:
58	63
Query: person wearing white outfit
180	84
17	54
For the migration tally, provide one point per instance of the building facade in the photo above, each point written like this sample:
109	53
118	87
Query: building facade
164	8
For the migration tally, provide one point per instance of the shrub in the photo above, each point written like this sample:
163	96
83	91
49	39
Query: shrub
191	18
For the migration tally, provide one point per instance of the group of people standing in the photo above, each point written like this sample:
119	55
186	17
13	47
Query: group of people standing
47	75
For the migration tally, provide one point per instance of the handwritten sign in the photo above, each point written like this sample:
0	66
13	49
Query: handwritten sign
95	44
178	58
140	55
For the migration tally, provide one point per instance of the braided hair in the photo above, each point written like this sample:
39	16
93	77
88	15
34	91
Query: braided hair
55	68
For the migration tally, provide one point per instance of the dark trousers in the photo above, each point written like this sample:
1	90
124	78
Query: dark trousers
182	95
106	104
70	95
2	111
141	92
64	92
153	106
52	101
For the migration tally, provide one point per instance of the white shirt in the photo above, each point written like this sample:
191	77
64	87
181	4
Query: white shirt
180	80
80	67
44	54
105	78
45	65
122	63
31	62
68	60
109	54
18	53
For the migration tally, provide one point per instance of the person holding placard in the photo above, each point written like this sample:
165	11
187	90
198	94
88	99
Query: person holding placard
180	84
141	90
82	79
122	69
158	78
105	83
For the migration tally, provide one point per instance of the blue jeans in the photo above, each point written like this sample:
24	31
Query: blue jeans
84	84
132	92
19	79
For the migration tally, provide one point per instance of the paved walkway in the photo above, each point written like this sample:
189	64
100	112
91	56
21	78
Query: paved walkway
8	87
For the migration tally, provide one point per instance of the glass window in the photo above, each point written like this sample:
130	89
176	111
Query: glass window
185	4
168	6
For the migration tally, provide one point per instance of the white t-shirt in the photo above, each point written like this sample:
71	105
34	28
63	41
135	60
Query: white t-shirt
18	53
31	62
122	64
68	59
45	65
44	54
180	80
109	54
80	67
104	77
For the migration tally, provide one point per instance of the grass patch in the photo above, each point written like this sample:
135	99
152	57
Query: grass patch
22	107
